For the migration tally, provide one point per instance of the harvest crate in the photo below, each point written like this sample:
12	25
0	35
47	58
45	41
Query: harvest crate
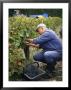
33	72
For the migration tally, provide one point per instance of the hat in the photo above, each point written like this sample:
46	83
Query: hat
41	25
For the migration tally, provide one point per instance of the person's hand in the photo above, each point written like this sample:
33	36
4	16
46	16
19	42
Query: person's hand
29	40
27	43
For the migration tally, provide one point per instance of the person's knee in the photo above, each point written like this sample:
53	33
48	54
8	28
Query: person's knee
39	57
47	55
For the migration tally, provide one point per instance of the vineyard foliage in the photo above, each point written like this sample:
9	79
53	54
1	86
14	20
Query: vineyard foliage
20	28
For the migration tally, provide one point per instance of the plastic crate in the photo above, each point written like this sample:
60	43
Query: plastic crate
33	72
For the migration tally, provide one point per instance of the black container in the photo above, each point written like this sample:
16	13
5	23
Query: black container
33	72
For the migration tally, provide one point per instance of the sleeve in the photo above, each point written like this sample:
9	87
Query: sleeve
42	38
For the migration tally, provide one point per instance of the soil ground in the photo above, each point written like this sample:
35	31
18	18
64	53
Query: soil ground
56	76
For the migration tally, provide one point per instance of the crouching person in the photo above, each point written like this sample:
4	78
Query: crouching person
51	45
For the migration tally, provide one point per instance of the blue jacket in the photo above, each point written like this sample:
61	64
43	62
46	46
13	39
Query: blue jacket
49	41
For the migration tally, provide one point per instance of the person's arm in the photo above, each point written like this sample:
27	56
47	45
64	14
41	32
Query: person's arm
45	37
42	38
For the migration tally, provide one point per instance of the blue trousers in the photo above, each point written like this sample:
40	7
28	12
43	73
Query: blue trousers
47	56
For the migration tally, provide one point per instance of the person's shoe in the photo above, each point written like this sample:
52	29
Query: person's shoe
50	69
